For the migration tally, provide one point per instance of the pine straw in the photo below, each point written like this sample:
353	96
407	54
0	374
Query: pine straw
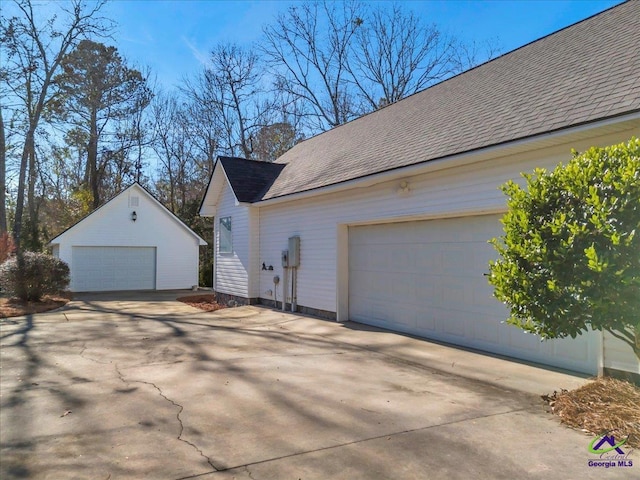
13	307
203	302
604	406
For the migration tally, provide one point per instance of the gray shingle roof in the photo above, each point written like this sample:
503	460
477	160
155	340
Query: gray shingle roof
249	179
583	73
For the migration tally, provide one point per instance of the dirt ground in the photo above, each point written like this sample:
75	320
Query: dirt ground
203	302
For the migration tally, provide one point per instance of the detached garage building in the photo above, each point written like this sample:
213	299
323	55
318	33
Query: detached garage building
132	242
393	211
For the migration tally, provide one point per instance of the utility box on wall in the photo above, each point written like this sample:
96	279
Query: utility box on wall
294	251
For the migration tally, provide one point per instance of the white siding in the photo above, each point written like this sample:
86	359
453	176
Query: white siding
458	191
111	226
254	252
618	355
232	269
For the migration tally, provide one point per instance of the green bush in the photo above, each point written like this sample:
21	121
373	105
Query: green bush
28	276
570	253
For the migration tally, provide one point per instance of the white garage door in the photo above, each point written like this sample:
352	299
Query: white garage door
113	268
428	278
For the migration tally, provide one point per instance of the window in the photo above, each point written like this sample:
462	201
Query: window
225	243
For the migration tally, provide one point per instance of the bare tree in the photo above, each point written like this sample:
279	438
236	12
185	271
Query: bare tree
230	91
395	55
469	55
175	152
344	59
34	49
307	50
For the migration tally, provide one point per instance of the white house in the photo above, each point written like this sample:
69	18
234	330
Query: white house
132	242
393	211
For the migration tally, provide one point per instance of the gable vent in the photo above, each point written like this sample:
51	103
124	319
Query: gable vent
134	201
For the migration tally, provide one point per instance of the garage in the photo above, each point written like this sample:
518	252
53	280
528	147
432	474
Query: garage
113	268
427	278
132	242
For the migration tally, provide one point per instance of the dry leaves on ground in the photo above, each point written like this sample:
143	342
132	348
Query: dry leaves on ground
13	307
203	302
604	406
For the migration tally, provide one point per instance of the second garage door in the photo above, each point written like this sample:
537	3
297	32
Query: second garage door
113	268
428	278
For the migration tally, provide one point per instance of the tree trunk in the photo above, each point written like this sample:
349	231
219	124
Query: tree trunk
22	176
33	235
3	177
92	160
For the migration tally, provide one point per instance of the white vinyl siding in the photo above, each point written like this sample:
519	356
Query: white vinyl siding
254	252
444	193
451	192
113	268
231	274
428	278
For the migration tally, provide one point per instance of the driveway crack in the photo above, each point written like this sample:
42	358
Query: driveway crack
180	410
84	347
249	472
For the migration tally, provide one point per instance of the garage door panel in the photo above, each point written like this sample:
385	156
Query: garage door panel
429	259
453	323
428	289
113	268
487	330
428	278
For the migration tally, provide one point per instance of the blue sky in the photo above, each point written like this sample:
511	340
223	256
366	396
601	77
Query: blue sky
172	37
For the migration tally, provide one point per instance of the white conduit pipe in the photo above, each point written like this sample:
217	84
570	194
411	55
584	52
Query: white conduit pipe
294	293
285	286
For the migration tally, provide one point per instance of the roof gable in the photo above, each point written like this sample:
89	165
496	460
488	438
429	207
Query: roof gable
115	199
250	179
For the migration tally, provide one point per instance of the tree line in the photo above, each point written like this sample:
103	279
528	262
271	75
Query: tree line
78	121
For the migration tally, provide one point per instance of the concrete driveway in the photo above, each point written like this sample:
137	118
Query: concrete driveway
132	386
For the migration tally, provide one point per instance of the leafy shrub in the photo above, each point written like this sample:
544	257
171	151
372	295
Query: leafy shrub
571	247
30	275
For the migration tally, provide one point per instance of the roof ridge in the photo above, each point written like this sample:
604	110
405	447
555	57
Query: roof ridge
448	79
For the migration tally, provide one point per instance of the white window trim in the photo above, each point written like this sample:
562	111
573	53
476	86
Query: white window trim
225	236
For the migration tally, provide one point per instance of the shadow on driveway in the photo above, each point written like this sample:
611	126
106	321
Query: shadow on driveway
138	385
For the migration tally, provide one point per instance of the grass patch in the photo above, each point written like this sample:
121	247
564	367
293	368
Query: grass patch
203	302
604	406
13	307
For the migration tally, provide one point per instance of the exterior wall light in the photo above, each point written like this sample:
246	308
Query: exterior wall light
403	188
134	216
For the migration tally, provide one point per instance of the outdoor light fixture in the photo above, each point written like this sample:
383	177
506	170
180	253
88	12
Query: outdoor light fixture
403	187
134	216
